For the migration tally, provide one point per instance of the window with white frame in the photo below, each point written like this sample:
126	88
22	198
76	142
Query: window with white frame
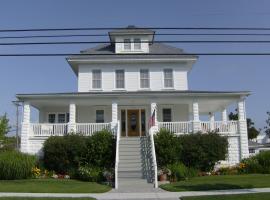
51	118
61	118
99	116
168	78
127	44
58	118
96	79
137	44
167	114
120	78
144	78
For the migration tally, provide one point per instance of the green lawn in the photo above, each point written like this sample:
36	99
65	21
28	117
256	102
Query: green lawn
52	186
220	183
258	196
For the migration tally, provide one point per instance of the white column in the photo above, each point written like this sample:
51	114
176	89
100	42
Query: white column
196	117
25	132
212	121
153	109
224	116
242	129
72	118
114	116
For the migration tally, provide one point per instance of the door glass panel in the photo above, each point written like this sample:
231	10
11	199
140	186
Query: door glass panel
133	121
143	122
123	122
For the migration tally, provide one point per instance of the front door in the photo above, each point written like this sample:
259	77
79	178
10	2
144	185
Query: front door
133	124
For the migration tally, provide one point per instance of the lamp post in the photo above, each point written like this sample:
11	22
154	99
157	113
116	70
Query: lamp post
17	104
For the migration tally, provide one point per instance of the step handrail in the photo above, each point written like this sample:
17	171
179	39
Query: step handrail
117	154
151	131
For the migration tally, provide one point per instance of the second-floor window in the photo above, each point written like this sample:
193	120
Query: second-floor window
168	78
96	79
120	78
127	44
137	44
144	78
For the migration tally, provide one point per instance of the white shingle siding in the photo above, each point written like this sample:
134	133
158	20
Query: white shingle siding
132	76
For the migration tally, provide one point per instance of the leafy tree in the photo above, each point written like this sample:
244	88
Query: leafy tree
252	131
4	126
267	127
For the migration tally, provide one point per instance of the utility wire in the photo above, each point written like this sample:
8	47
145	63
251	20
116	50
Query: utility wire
158	34
138	28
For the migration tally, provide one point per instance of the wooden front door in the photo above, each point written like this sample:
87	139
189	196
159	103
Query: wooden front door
133	123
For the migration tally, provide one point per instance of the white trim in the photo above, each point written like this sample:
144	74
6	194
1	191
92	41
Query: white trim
163	79
56	117
100	79
100	108
149	79
121	89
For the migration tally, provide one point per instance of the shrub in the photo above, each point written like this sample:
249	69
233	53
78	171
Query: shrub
264	161
100	150
257	164
88	173
202	151
227	171
168	149
16	165
63	154
179	171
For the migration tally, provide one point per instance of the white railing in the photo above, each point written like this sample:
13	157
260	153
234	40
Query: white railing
176	127
47	130
205	126
117	155
154	159
88	129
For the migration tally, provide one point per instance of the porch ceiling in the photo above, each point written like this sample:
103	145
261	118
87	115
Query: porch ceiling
209	101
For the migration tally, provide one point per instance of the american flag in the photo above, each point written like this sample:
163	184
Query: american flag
151	120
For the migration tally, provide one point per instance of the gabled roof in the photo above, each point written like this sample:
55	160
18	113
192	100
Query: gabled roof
131	29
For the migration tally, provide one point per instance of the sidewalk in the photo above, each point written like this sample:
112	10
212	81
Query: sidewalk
150	196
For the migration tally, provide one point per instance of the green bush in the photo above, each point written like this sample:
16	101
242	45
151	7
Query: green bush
180	172
100	150
257	164
63	154
168	149
202	151
16	165
264	161
88	173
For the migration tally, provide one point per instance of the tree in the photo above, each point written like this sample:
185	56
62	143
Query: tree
252	131
4	126
267	127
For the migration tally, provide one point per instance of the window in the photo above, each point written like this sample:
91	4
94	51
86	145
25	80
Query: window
127	44
168	78
137	44
144	78
99	116
120	78
61	118
251	150
96	79
167	115
51	118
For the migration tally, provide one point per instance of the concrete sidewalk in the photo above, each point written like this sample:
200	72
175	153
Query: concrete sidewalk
142	195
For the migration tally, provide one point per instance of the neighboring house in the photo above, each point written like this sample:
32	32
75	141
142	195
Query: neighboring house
255	148
123	84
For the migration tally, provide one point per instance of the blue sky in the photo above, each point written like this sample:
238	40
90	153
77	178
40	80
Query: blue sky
53	74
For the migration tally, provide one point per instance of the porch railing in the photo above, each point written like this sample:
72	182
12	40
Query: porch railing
205	126
88	129
46	129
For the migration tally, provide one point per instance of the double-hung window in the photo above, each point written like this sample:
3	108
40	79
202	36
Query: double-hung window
127	44
168	78
120	79
96	79
167	115
99	116
144	78
137	44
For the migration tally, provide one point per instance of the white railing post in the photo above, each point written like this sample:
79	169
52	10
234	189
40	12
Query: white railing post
242	128
224	116
212	121
25	131
72	118
117	155
196	117
152	131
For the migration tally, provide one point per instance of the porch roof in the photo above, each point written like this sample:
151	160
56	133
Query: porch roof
210	101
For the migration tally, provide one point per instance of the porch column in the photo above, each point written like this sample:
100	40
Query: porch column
25	132
224	116
153	114
196	117
114	115
242	129
72	118
212	121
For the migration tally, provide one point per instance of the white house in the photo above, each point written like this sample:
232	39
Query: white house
120	84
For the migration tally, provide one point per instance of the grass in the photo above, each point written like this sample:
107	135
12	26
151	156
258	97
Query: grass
261	196
220	183
47	198
52	186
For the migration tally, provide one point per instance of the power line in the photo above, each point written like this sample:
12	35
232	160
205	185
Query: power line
106	42
160	54
158	34
124	28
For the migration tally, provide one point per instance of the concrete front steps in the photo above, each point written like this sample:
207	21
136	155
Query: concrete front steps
131	168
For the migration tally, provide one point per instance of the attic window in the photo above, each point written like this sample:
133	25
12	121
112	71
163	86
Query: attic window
127	44
137	44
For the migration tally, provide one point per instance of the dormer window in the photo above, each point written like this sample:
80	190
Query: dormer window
127	44
137	44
